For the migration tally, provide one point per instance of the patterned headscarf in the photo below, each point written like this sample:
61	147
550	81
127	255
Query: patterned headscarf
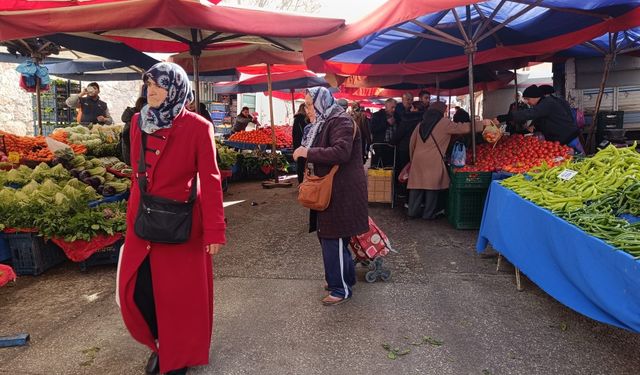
325	107
174	79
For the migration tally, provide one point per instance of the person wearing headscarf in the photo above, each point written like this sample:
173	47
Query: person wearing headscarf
551	115
333	139
428	175
166	290
300	121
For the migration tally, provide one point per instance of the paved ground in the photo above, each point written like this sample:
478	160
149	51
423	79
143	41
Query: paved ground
269	319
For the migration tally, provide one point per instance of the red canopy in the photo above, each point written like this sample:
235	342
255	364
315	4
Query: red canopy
275	68
246	54
43	4
139	21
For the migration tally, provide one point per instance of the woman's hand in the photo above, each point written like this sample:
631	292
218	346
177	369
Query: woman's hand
487	122
213	248
300	152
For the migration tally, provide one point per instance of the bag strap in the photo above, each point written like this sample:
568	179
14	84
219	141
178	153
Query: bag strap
142	167
446	167
334	169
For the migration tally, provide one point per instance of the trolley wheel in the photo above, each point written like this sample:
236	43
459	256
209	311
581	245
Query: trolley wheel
385	275
372	266
371	276
379	261
365	262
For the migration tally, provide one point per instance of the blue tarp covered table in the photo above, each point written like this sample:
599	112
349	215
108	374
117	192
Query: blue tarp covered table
581	271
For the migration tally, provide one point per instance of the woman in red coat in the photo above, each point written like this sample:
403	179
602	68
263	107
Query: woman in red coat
166	290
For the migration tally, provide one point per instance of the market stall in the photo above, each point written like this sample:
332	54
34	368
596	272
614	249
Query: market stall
588	257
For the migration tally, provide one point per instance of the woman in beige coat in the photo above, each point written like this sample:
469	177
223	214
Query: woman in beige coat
428	174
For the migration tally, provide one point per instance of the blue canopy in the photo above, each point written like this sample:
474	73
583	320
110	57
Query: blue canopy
627	41
398	39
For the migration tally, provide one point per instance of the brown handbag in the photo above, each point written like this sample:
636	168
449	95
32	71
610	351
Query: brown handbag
315	192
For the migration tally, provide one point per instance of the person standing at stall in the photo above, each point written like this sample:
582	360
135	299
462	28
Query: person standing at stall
517	127
405	105
428	175
300	121
552	117
402	138
127	115
383	125
425	97
165	281
92	109
242	120
332	140
360	117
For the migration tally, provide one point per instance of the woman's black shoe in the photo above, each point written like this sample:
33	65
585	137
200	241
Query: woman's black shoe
153	364
182	371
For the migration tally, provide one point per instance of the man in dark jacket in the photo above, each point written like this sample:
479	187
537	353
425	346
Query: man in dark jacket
402	137
552	117
517	127
92	109
124	143
461	115
383	125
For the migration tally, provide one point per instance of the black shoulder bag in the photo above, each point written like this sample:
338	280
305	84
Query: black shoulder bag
161	219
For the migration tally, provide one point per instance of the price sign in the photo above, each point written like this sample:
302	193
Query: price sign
567	174
13	157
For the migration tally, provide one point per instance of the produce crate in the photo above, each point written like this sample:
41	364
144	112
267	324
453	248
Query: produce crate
5	252
470	180
465	207
104	256
31	255
380	185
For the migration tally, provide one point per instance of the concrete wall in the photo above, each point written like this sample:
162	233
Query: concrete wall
16	108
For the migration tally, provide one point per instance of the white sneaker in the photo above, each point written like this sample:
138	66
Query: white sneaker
406	205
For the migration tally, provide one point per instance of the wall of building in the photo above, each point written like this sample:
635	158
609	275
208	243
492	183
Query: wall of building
16	104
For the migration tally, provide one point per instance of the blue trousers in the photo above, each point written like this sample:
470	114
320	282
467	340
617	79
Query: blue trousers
339	269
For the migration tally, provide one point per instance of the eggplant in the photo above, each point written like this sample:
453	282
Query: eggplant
100	189
108	190
84	175
56	161
75	173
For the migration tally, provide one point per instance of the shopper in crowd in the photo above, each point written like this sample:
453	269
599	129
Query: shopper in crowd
517	127
242	120
547	90
428	175
166	289
202	110
405	105
425	97
343	103
300	121
552	117
383	125
402	138
124	143
461	115
360	118
333	139
92	109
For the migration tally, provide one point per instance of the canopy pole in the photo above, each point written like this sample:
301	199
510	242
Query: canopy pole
515	81
38	105
196	79
293	103
590	146
274	155
437	87
470	49
449	114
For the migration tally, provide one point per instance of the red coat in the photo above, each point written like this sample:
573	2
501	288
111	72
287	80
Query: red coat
182	274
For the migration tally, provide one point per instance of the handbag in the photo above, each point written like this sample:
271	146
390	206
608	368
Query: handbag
160	219
315	192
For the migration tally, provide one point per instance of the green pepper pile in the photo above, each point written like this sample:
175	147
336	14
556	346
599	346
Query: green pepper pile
605	187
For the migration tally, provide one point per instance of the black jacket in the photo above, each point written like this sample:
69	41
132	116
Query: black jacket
124	143
402	136
299	123
379	125
461	116
552	117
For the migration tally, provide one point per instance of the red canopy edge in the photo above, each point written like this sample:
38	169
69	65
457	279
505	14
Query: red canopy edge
316	63
133	14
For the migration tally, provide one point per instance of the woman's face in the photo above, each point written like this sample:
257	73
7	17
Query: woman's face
308	104
192	106
155	94
245	112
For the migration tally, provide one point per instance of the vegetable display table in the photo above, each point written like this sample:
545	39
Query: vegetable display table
579	270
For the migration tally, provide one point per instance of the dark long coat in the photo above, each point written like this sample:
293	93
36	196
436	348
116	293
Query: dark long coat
347	214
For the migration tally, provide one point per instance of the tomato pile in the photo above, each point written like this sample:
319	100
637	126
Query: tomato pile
517	154
262	136
35	148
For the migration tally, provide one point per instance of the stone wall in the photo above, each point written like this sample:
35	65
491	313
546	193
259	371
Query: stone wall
15	104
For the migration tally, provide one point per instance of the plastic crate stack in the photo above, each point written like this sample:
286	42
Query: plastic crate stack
467	193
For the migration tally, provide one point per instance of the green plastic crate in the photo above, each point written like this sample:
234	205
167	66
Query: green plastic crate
465	207
470	180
